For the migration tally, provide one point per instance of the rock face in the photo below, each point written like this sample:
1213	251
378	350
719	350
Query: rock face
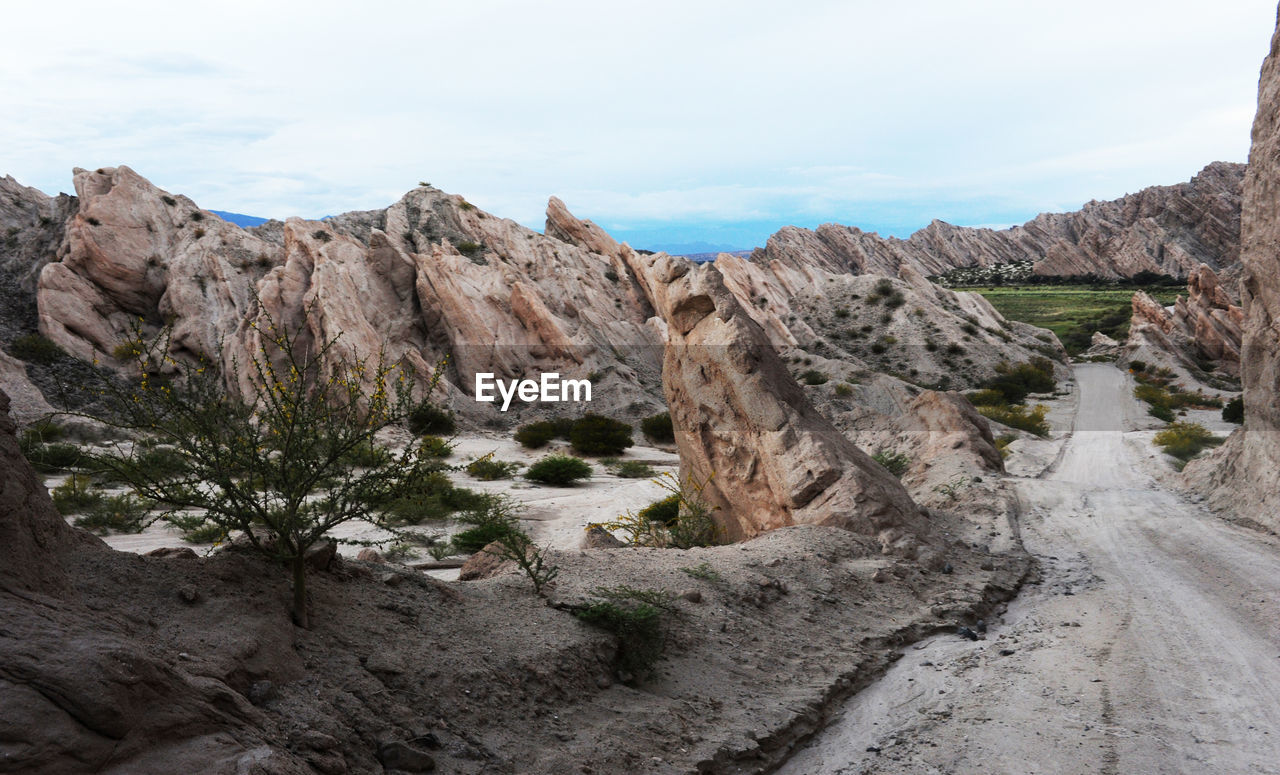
1243	476
1164	229
744	426
1202	327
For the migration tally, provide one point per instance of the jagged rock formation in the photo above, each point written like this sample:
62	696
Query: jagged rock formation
1163	229
1202	328
1243	475
744	426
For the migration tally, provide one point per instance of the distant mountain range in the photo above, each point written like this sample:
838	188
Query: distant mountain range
239	219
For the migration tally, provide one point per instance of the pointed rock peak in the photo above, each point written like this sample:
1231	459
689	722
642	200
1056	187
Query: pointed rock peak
562	225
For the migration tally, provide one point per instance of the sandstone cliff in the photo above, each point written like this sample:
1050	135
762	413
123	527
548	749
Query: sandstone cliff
1243	476
1202	329
1163	229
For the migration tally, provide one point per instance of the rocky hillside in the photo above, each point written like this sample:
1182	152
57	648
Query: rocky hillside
432	277
1243	476
1163	229
1200	334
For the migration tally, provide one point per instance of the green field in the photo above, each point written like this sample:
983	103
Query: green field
1073	312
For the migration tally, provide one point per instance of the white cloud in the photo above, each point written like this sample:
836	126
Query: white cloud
652	112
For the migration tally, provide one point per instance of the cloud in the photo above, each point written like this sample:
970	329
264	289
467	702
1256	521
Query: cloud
644	116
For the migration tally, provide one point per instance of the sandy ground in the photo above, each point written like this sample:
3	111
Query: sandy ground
1152	643
554	516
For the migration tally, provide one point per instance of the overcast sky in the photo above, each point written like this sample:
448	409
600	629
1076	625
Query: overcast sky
665	122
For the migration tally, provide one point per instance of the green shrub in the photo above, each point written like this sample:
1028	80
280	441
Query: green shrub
74	495
53	458
633	469
366	455
1002	443
115	513
428	419
895	463
813	377
431	496
1185	440
208	533
490	523
1161	412
434	446
536	435
634	617
36	348
1233	410
1137	366
658	427
595	434
559	470
468	248
664	511
1020	417
844	390
987	397
1017	381
487	469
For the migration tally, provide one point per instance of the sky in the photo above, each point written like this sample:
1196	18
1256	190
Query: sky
668	123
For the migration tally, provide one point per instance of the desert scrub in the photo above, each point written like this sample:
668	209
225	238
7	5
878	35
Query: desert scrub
53	458
1016	381
434	447
1233	410
430	496
895	463
115	514
703	571
595	434
844	390
1026	419
632	469
488	469
205	534
75	495
486	525
36	348
658	427
1002	443
813	377
634	617
680	520
536	435
1185	440
428	419
559	470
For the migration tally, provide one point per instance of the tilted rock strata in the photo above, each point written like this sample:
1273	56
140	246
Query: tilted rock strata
744	426
1163	229
1243	475
1202	326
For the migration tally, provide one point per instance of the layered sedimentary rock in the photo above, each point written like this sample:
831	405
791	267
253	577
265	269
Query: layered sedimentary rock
1203	327
1163	229
1243	475
744	427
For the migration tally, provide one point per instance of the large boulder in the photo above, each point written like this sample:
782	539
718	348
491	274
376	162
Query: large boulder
745	428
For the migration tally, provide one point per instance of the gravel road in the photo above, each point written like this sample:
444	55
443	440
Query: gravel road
1151	645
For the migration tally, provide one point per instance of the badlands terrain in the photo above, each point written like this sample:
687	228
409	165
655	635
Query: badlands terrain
915	569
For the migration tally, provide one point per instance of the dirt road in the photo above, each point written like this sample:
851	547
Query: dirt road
1152	644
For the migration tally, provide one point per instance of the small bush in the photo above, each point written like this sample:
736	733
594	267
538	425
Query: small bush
434	446
53	458
1020	417
432	497
1002	443
367	455
428	419
895	463
598	435
36	348
1017	381
209	533
681	520
1233	410
664	511
844	390
813	377
1185	440
702	570
986	397
115	513
487	469
634	617
611	275
1161	412
468	248
559	470
1137	366
74	495
536	435
633	469
493	522
658	427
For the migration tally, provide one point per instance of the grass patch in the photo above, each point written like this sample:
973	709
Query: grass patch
1023	418
633	469
1074	312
